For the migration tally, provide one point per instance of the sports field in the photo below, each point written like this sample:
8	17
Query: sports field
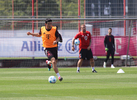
32	84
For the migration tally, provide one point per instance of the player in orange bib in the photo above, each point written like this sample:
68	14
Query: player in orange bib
50	38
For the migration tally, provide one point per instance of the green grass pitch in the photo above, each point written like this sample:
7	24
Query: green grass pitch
32	84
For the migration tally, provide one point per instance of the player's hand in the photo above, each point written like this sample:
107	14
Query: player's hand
28	33
73	48
88	47
106	49
106	52
54	42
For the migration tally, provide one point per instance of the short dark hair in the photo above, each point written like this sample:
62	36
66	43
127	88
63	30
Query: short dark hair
48	20
110	28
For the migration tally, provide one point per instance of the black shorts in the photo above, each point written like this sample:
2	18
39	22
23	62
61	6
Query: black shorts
110	52
51	52
85	53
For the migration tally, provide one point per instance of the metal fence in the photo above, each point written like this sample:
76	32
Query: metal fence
68	8
17	27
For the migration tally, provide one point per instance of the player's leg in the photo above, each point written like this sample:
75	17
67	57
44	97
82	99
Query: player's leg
49	55
112	60
92	64
53	56
53	61
107	57
89	56
48	62
81	58
54	64
79	63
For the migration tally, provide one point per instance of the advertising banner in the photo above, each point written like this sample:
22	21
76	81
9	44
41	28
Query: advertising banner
32	47
121	45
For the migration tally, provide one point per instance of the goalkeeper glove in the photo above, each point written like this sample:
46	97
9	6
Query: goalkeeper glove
106	49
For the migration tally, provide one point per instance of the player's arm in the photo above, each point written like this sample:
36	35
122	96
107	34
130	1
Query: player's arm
89	42
89	45
60	38
105	43
77	36
35	34
57	37
113	42
73	44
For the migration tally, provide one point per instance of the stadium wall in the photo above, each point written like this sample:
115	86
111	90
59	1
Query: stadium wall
32	63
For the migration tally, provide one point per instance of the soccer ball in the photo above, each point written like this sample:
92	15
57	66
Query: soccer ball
77	42
52	79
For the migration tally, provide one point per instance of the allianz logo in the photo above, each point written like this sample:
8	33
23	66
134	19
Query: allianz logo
68	46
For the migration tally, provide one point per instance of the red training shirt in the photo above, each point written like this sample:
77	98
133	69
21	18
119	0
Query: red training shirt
84	39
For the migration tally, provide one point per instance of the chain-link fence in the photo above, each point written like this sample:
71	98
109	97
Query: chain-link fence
68	26
68	8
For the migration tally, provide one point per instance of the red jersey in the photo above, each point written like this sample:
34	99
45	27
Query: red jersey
84	39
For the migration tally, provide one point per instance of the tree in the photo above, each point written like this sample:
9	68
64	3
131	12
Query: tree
70	7
5	8
24	8
48	8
